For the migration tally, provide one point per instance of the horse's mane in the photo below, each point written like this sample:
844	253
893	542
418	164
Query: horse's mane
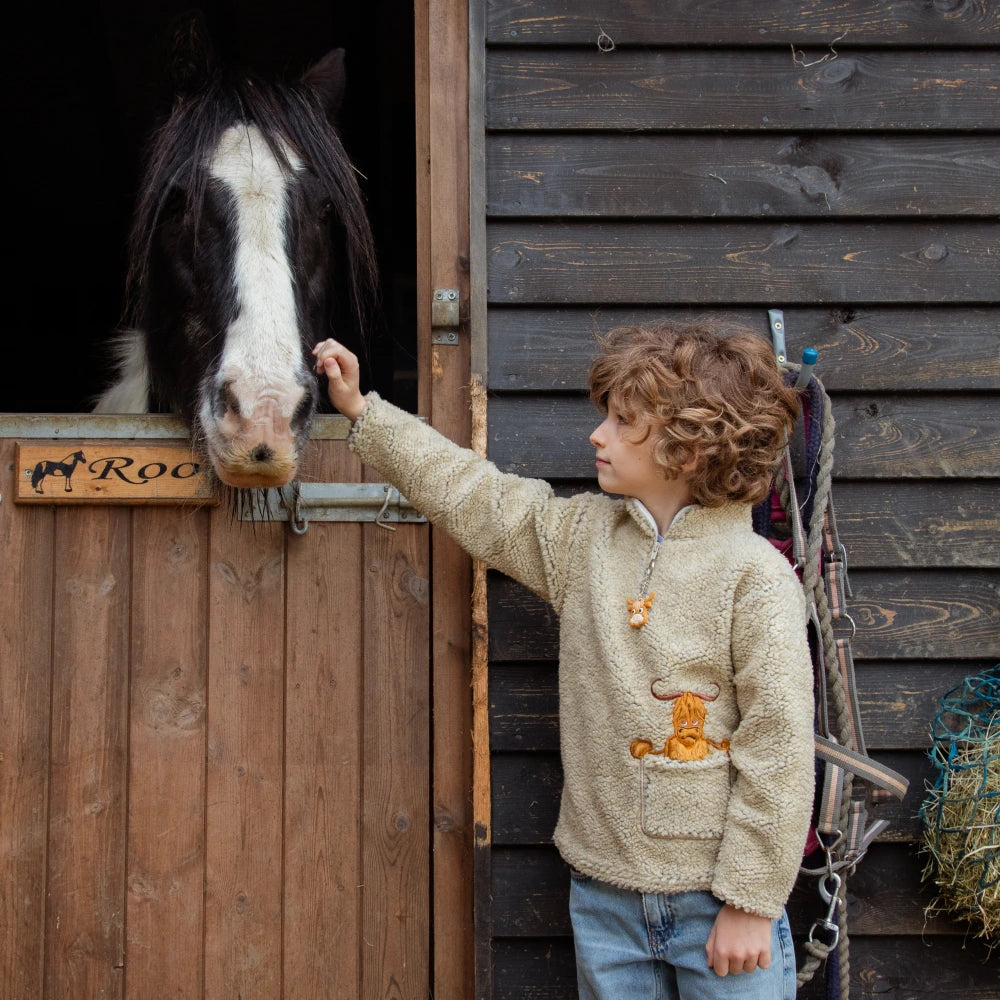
180	150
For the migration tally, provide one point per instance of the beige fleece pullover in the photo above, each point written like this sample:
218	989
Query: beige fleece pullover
727	623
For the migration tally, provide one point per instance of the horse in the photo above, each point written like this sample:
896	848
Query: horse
64	468
249	215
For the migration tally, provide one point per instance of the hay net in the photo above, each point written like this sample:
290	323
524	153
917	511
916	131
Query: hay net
961	814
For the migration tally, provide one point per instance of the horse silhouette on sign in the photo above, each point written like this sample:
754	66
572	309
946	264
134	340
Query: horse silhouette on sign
64	468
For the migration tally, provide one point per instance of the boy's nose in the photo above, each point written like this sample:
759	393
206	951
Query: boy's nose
597	436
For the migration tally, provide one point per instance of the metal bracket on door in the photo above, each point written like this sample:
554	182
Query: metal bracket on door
445	316
300	503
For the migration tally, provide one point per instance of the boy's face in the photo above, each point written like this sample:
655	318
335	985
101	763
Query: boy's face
625	465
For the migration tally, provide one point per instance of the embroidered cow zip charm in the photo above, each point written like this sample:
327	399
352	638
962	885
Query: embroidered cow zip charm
688	741
638	610
638	607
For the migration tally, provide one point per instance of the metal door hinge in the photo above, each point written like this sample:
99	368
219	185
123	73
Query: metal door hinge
445	316
300	503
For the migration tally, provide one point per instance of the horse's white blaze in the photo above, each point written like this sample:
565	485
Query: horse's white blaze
261	359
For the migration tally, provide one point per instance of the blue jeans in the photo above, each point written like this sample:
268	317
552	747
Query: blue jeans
647	946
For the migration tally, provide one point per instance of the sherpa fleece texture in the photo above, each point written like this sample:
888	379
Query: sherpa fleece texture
728	617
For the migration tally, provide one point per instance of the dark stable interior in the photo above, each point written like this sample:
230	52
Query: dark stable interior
87	85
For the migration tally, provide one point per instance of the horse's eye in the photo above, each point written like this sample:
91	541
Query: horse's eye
326	209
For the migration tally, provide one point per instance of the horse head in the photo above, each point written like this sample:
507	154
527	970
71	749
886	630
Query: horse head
249	215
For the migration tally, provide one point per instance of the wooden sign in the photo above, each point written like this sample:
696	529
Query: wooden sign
111	472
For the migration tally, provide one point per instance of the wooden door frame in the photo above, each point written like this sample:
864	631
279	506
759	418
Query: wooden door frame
441	39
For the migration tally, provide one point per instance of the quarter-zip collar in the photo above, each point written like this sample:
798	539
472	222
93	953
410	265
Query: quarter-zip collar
694	520
641	515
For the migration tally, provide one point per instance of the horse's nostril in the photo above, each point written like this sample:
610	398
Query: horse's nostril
262	453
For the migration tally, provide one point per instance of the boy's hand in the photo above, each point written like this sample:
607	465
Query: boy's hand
343	377
739	942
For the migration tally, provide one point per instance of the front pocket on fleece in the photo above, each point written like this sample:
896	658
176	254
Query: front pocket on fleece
684	799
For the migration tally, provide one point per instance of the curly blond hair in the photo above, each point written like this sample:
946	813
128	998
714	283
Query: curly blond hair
712	397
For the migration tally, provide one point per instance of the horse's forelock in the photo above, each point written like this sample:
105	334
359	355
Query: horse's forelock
182	148
176	162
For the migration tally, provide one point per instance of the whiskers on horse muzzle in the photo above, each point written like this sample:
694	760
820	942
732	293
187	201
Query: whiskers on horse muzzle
255	466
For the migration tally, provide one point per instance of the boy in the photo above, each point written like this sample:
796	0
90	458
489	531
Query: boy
685	681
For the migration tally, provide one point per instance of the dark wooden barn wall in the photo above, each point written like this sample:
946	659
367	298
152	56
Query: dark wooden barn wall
838	161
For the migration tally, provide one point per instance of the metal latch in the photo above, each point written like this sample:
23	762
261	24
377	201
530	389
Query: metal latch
300	503
445	316
777	320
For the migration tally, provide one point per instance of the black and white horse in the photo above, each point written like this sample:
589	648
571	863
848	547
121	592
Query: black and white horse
63	469
248	212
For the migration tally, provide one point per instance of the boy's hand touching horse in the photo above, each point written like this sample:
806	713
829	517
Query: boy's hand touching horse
343	377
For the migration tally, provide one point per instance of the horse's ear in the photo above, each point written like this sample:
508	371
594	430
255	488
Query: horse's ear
192	54
328	78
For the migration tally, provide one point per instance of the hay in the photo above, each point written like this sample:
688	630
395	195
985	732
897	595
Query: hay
961	814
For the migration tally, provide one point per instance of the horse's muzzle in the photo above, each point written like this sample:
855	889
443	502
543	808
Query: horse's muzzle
258	451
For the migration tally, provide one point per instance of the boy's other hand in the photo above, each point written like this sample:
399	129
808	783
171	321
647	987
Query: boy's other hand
343	377
739	942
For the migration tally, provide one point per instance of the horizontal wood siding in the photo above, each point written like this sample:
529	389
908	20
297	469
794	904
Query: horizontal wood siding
840	162
643	90
716	22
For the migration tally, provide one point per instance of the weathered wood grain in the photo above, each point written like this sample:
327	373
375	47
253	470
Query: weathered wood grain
243	895
323	748
933	613
526	790
900	615
863	348
698	176
85	886
714	22
717	263
917	436
892	968
27	540
395	833
919	523
764	90
877	436
168	699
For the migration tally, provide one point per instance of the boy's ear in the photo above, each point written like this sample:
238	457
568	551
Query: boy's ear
692	462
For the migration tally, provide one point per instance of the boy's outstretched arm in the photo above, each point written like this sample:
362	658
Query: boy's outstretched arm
343	377
739	942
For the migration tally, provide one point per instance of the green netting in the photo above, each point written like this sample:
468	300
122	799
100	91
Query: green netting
961	814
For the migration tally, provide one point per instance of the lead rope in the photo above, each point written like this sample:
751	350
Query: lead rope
835	711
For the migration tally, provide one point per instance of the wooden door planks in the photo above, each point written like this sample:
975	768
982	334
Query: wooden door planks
324	686
85	882
168	732
27	540
243	846
395	824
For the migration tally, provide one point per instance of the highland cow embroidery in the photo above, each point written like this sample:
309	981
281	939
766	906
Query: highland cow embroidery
688	741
